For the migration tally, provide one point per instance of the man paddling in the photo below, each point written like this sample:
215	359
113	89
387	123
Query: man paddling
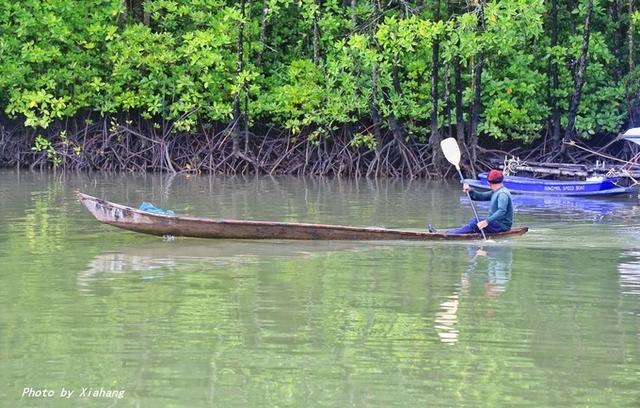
500	217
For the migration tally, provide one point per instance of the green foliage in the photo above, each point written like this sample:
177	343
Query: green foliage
364	139
297	101
54	49
514	100
176	61
602	109
41	144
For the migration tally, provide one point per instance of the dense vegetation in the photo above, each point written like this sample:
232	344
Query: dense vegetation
314	86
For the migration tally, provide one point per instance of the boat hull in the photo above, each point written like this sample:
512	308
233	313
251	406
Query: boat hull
526	185
132	219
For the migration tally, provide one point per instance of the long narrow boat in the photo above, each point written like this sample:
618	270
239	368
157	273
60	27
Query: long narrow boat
527	185
136	220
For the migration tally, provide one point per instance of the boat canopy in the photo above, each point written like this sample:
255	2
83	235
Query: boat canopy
632	135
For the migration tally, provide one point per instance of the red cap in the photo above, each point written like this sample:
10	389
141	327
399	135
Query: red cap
495	177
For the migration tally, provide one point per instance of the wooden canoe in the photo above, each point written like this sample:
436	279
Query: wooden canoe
133	219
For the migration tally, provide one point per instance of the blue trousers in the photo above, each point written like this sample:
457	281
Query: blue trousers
471	227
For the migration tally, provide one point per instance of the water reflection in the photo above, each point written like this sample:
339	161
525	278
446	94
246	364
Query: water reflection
629	271
491	264
597	209
155	260
447	318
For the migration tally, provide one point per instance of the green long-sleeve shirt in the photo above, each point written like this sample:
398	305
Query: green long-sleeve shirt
501	208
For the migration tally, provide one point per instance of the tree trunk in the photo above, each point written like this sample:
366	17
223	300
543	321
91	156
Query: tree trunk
581	67
375	78
354	17
263	29
614	14
630	36
457	75
395	124
555	80
134	9
375	113
316	39
632	98
237	111
125	10
146	16
453	9
435	138
476	106
446	96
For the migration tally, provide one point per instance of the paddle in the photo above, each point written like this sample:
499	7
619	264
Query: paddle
452	153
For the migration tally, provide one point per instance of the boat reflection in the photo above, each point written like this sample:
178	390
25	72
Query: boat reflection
563	204
155	260
492	264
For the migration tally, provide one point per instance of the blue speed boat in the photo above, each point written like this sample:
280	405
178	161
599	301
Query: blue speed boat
527	185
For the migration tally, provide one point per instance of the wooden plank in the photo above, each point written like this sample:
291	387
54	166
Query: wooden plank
556	172
568	170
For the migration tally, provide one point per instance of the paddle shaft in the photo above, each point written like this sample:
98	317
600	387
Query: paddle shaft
473	207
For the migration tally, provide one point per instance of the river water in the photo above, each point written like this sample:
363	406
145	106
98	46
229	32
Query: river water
551	318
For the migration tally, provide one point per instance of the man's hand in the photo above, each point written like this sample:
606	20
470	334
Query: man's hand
482	224
466	188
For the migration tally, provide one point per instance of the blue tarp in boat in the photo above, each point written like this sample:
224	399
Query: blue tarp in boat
148	207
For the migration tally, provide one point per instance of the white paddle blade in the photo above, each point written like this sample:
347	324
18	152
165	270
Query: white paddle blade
451	151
